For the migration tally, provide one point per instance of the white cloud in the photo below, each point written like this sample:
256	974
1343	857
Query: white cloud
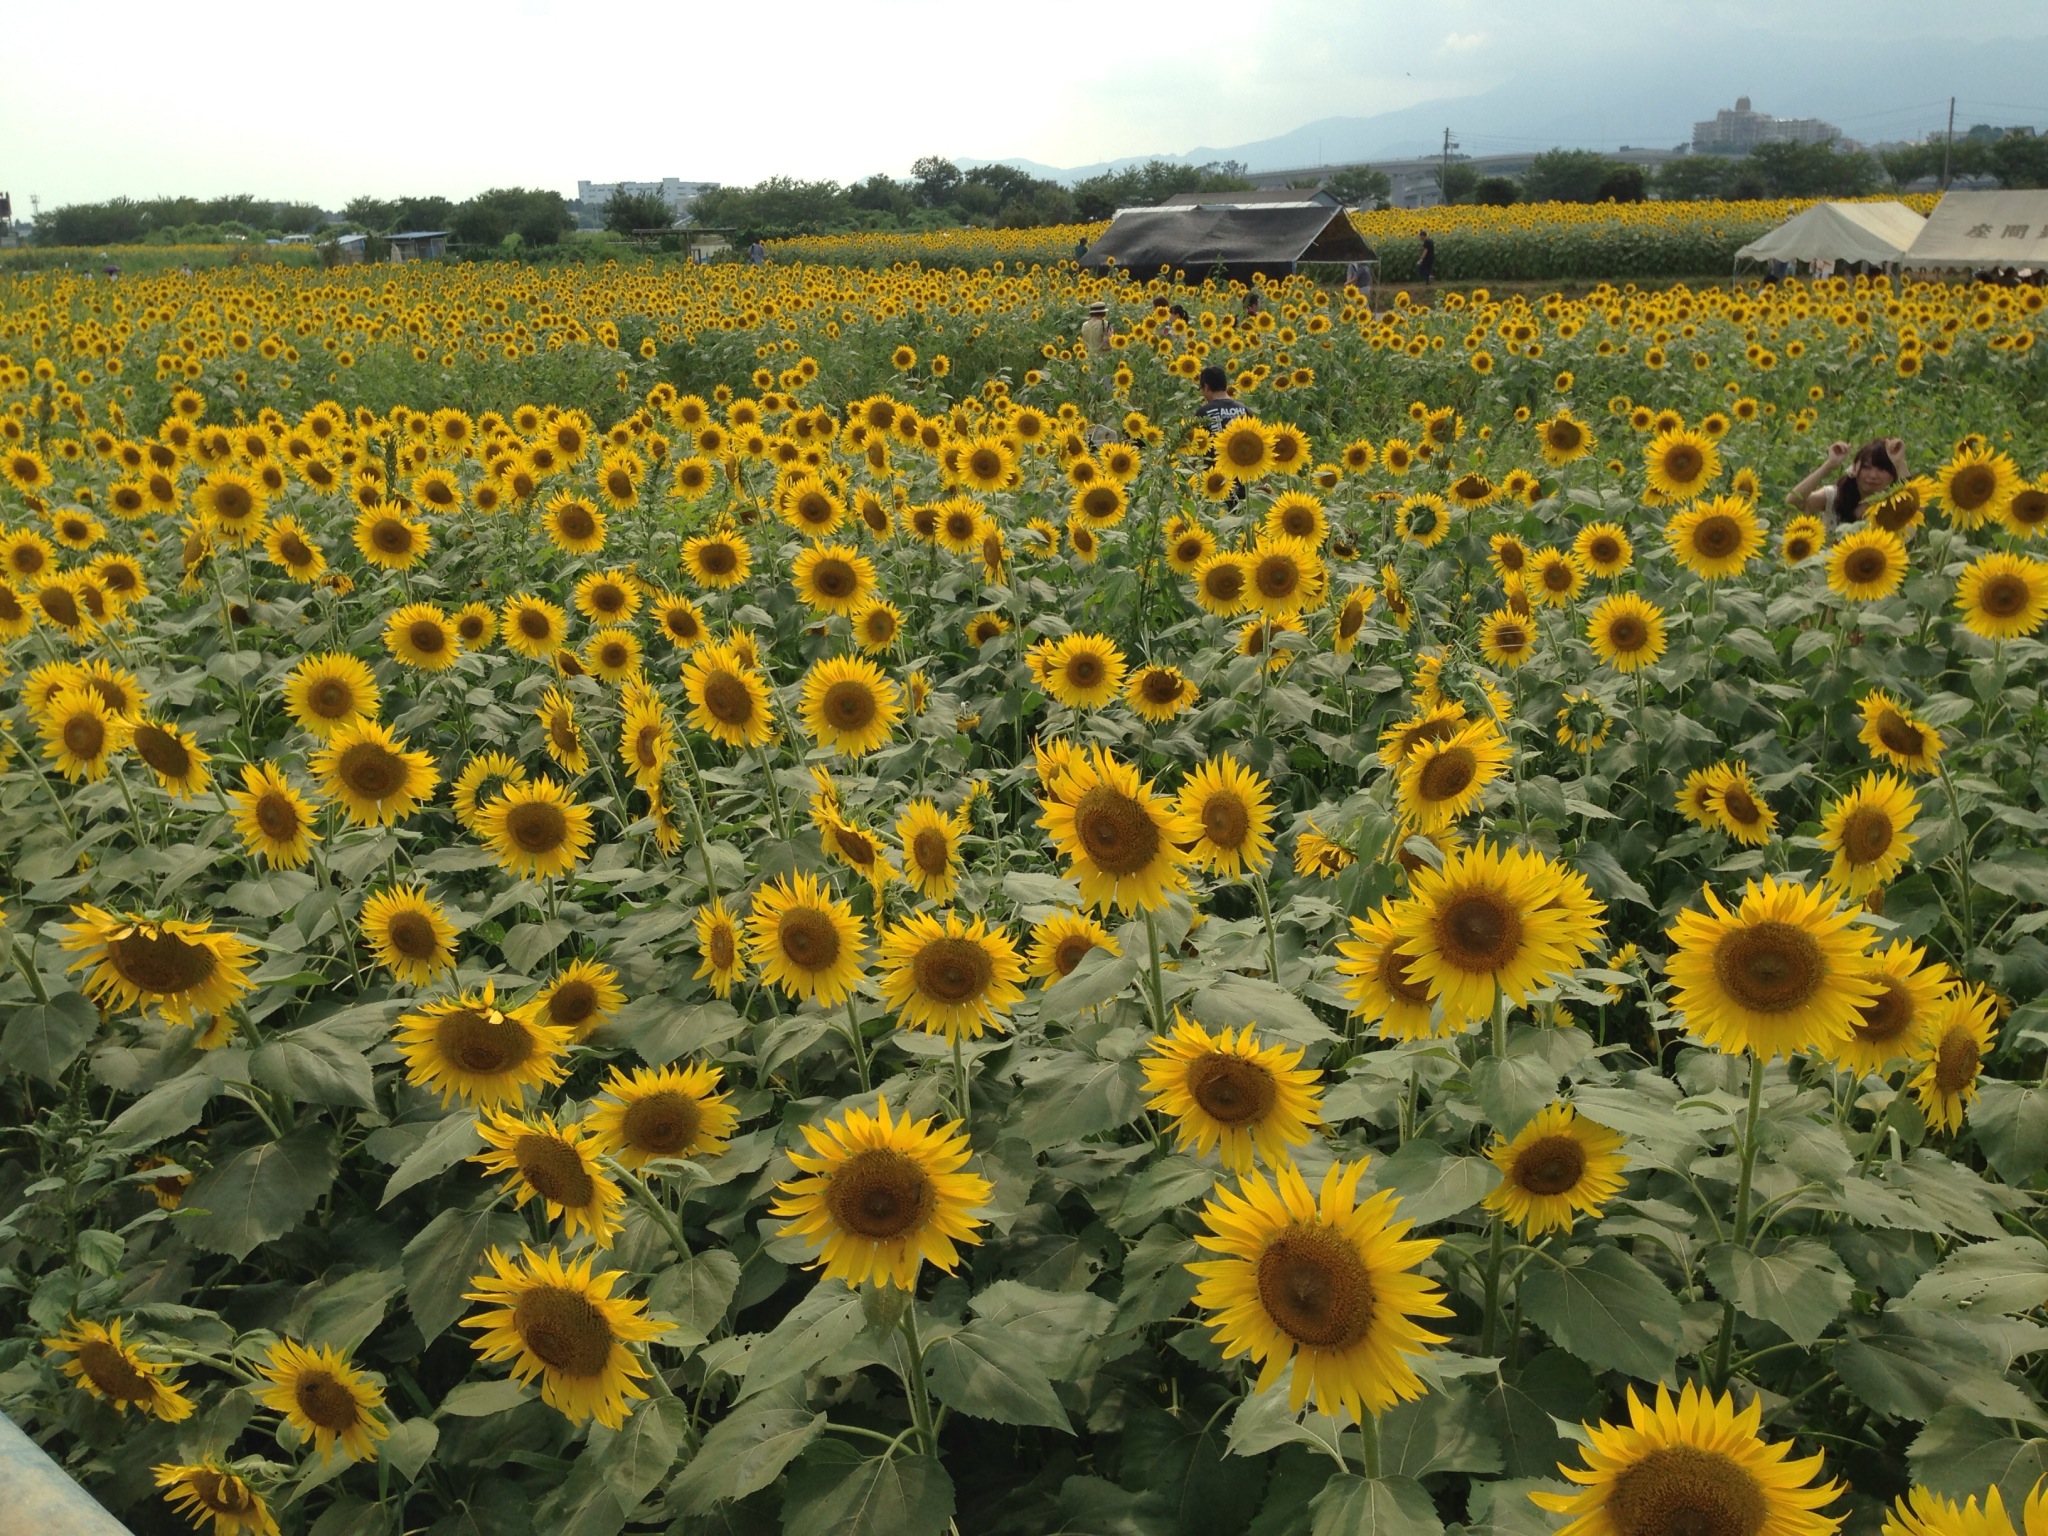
1461	42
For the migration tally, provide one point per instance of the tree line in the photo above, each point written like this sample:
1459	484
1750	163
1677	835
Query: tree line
488	220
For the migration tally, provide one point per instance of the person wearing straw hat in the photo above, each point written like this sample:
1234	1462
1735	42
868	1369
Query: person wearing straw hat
1095	329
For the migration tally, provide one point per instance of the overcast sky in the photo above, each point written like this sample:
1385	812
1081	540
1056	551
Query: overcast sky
416	96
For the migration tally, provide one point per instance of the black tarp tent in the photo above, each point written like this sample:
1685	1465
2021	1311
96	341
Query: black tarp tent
1243	242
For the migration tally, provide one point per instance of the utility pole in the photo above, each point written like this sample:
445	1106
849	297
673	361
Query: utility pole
1443	176
1948	144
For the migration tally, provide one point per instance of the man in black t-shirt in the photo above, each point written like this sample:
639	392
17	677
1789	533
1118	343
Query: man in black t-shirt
1425	269
1219	408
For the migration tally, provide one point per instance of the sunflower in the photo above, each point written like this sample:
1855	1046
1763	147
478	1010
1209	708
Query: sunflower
62	603
612	654
1423	520
1976	485
580	998
290	545
718	946
173	756
179	969
607	597
16	617
231	505
536	829
409	934
2003	596
532	626
1244	449
1920	1511
849	705
1679	464
931	848
717	560
557	1163
1867	565
1083	671
1123	842
1493	921
573	524
1507	639
1227	808
205	1491
466	1047
1441	781
986	626
1351	620
1062	942
1866	831
1223	584
1910	987
876	625
272	818
1565	439
1894	736
806	940
1737	807
386	537
1188	544
1626	631
1715	538
879	1197
1297	515
117	1373
324	1398
1557	578
1232	1092
1804	538
1560	1166
372	773
1436	723
1949	1054
948	977
1378	984
1323	1281
1101	505
1780	973
553	1319
81	734
658	1112
728	698
329	693
1692	1466
419	635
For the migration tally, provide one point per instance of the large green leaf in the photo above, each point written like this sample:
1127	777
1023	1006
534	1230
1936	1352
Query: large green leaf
2009	1274
1079	1097
343	1314
833	1492
42	1039
1799	1286
1056	1326
1912	1366
1609	1311
1432	1184
617	1469
745	1451
261	1192
697	1291
1438	1432
1181	1459
444	1256
2010	1121
1961	1453
164	1111
314	1066
820	1325
1232	1001
453	1138
1350	1505
987	1372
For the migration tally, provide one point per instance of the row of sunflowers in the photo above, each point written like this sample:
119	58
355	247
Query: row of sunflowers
874	929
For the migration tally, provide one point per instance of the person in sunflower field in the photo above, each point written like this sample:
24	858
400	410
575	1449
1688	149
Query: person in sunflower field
1095	329
1219	408
1875	468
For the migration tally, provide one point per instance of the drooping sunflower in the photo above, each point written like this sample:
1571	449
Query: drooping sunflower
854	846
466	1047
1351	620
1435	723
1063	941
94	1356
646	740
81	734
806	941
1920	1511
718	948
1866	831
1507	639
1558	1167
1626	631
1228	807
560	733
1604	549
728	698
879	1198
948	977
178	969
1442	781
1084	671
1975	486
555	1320
1492	921
1691	1464
374	775
1377	981
1321	1280
205	1492
1780	973
290	545
409	934
555	1162
1233	1093
931	848
1715	538
272	818
2003	596
850	705
1949	1055
1120	837
656	1112
1894	736
532	626
536	829
324	1398
1681	463
1910	987
1866	565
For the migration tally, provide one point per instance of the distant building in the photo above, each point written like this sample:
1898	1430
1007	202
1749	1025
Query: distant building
1738	131
678	195
418	245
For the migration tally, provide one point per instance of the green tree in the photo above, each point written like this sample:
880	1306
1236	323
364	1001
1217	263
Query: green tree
1566	176
538	218
625	212
882	193
1813	170
937	180
1623	184
1692	178
1497	191
1357	185
2019	160
1456	182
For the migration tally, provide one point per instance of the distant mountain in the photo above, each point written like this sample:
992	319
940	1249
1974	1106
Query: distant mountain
1896	95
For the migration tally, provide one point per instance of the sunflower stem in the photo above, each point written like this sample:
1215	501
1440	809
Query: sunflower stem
1157	979
1496	1246
965	1081
663	1216
853	1039
1369	1433
1968	926
913	1381
1723	1350
1258	883
774	793
25	964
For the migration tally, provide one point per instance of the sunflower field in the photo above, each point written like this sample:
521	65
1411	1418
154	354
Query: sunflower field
730	900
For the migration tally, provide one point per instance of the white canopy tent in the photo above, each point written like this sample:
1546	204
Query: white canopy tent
1879	233
1984	229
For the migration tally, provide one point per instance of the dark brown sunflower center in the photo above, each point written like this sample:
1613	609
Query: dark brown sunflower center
1393	974
850	705
1245	449
85	735
1071	951
1956	1060
1278	576
427	637
277	817
1717	537
809	939
1298	522
608	599
2029	509
930	851
1352	619
1627	633
1682	463
576	522
324	1399
555	1170
723	947
371	770
1478	931
1769	967
1115	831
1866	834
985	464
1557	576
1427	731
109	1369
953	970
221	1492
483	1041
1447	775
1226	819
1886	1017
1972	486
1551	1166
1085	670
537	826
663	1124
1563	436
564	1328
295	550
2005	595
1231	1089
1865	565
1225	583
534	624
1315	1287
60	605
1739	807
391	536
718	558
881	1194
161	962
727	699
1682	1490
1603	550
1901	735
834	577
